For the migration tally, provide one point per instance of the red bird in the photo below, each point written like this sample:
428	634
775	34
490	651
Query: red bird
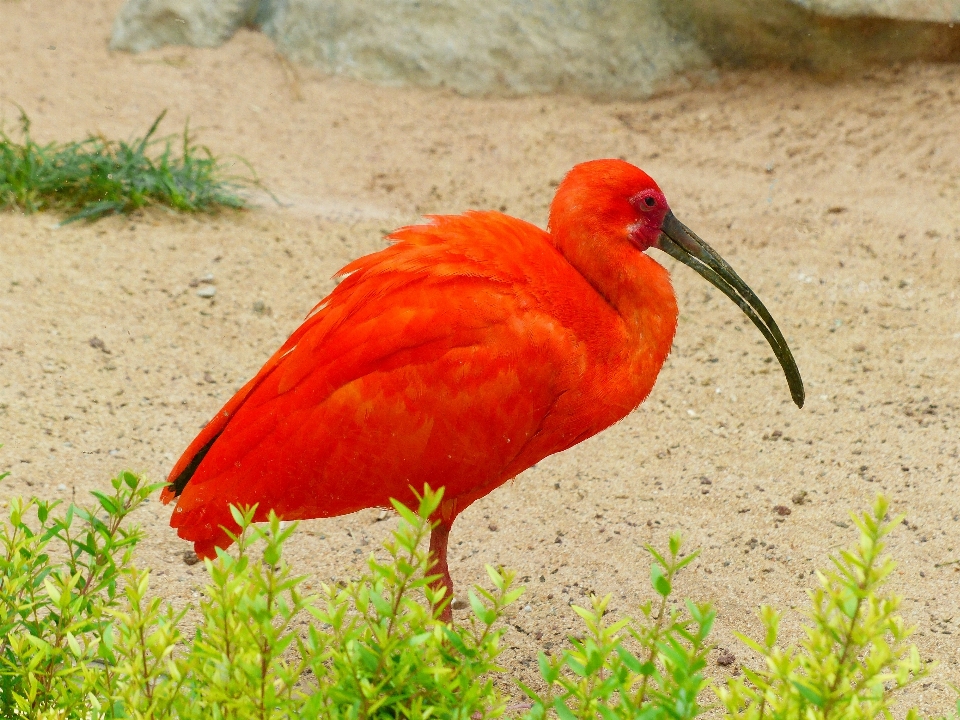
470	349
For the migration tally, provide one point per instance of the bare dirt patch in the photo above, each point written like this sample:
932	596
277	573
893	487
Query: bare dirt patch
839	204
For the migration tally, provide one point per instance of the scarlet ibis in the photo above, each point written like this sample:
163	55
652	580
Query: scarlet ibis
471	348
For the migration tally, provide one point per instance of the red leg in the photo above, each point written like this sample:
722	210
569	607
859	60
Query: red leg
438	550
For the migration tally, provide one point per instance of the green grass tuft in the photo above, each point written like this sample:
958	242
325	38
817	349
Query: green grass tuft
90	179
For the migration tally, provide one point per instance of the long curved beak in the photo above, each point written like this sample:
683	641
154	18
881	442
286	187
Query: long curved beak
680	242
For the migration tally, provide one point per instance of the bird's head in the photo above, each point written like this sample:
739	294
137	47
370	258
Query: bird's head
612	202
607	212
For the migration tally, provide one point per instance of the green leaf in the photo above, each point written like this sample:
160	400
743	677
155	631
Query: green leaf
74	645
106	502
406	513
576	666
809	693
549	672
659	580
495	577
686	560
629	659
514	595
52	591
484	614
607	713
675	542
849	605
563	712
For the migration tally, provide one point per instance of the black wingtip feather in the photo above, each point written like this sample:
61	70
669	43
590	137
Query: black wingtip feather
184	477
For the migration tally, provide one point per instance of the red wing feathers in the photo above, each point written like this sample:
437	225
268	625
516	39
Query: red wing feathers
432	361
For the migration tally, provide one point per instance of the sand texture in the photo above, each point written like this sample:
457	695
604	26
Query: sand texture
837	203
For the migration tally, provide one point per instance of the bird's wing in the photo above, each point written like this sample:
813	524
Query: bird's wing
436	343
477	248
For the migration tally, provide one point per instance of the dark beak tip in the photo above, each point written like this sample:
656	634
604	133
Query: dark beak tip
681	243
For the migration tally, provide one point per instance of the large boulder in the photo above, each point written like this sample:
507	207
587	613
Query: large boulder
147	24
611	48
830	36
935	11
602	48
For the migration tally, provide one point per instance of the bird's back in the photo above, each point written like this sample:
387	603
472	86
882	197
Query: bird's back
458	357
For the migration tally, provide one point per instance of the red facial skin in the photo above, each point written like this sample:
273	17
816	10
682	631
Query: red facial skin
651	208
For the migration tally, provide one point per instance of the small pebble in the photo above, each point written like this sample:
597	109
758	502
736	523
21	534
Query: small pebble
800	498
492	527
782	510
190	558
725	657
207	377
98	344
207	291
61	487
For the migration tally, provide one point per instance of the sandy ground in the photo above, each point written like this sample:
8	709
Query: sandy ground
838	204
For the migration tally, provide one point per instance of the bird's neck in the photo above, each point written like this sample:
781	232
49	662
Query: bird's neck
638	289
630	281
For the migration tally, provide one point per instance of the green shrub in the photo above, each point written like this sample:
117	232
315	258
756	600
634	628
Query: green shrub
855	653
97	177
376	650
59	579
73	648
83	637
661	675
853	660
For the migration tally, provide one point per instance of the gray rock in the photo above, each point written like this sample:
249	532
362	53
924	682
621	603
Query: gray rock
612	48
831	36
147	24
601	48
938	11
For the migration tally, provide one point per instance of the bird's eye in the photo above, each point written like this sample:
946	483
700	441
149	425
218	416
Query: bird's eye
646	201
